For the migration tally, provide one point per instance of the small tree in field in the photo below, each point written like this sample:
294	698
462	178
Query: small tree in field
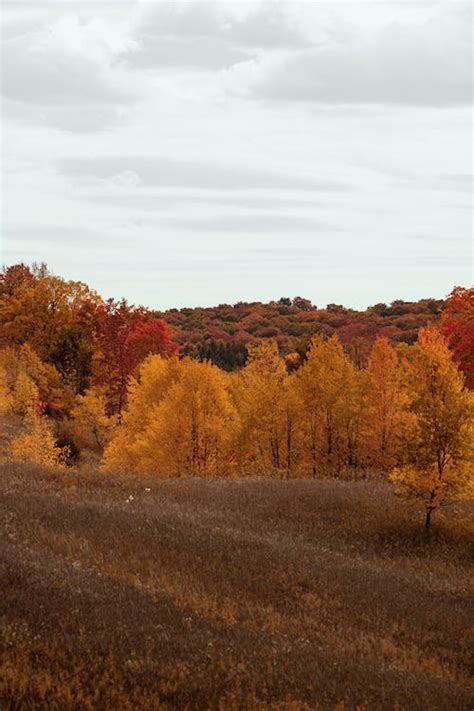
438	445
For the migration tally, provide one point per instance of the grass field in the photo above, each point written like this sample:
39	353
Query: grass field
123	592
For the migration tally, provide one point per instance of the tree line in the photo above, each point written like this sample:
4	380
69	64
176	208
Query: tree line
78	372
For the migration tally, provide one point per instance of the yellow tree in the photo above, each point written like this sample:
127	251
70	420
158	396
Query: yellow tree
147	390
352	409
192	431
37	444
385	401
16	360
190	425
260	396
321	388
291	429
38	309
92	425
25	396
6	398
438	448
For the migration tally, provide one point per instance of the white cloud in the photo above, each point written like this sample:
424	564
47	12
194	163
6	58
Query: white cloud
185	173
209	35
67	71
413	61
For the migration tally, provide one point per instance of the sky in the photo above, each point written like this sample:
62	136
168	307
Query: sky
198	153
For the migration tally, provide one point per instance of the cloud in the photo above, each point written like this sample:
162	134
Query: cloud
195	52
66	71
268	26
207	35
419	64
166	172
156	201
252	224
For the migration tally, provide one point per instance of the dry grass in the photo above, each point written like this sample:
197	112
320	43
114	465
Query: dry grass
228	594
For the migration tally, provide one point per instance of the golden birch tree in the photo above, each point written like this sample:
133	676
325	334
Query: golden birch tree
320	385
261	402
192	430
385	402
147	390
439	446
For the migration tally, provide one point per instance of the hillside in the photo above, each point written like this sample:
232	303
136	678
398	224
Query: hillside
220	333
136	593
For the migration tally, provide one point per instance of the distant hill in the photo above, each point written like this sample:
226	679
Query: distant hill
220	333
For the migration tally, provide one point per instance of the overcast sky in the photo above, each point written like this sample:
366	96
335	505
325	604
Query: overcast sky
209	152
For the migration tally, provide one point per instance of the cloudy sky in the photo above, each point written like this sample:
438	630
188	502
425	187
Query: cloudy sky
207	152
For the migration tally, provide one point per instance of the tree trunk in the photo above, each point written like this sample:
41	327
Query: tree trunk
428	520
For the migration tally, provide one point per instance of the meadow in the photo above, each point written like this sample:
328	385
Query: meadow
135	592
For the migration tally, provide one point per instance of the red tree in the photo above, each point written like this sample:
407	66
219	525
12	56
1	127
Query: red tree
457	324
125	335
358	335
12	277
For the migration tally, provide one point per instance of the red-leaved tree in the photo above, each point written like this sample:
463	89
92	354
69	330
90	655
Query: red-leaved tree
125	335
457	325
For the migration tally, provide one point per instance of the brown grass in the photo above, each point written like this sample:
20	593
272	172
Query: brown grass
228	594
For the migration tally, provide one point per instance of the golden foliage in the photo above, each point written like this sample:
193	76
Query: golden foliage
325	386
260	395
92	425
385	414
37	445
38	309
23	359
25	397
154	378
438	447
425	485
6	398
191	431
181	420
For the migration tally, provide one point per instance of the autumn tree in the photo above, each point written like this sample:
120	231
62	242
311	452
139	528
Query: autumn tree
321	386
54	398
357	336
25	397
457	324
438	447
385	401
36	444
14	276
125	335
188	426
352	409
6	397
193	430
92	425
290	408
148	388
260	395
38	309
72	355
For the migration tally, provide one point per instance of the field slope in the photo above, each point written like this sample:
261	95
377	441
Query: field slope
135	593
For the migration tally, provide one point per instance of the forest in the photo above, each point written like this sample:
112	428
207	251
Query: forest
100	382
221	333
289	530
